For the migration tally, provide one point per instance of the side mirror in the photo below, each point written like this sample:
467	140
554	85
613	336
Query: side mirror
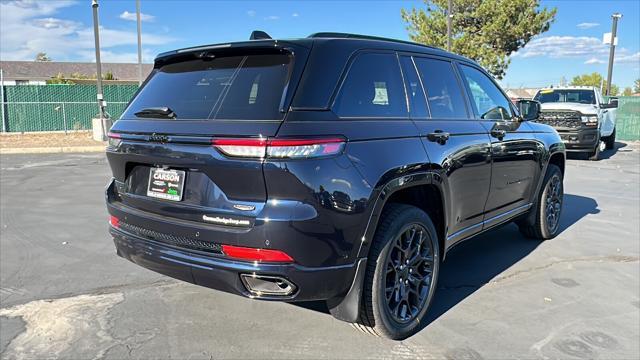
529	109
613	102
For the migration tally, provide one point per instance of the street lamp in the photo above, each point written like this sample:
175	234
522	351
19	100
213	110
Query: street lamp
612	50
96	34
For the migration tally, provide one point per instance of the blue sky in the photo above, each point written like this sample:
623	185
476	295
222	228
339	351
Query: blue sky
63	30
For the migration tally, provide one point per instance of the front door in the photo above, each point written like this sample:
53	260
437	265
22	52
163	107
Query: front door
515	152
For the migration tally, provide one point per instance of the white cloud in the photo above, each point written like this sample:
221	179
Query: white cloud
563	47
594	61
272	17
628	58
29	27
132	16
587	25
295	14
251	13
590	50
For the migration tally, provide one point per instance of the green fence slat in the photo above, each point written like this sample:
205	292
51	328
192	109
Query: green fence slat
80	105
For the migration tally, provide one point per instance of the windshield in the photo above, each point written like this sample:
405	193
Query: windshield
230	88
566	95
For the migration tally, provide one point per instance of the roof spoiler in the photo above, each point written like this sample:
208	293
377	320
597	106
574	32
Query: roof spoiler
259	35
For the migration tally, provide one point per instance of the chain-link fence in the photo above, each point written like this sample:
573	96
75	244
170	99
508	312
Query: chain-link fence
628	118
27	108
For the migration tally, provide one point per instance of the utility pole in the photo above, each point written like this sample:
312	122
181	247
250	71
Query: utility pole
612	50
96	33
449	15
4	124
139	42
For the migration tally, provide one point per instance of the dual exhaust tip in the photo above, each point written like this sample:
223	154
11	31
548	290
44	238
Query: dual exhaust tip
264	285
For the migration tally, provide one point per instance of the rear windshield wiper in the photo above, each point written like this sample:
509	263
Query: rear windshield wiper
163	112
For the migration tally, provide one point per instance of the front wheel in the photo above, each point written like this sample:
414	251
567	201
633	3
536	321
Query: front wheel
544	220
611	140
600	147
402	273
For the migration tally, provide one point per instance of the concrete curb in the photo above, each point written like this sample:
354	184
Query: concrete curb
53	150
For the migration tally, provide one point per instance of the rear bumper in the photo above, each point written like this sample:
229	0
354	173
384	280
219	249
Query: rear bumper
220	273
580	140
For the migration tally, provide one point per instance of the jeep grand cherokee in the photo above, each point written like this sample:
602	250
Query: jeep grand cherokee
336	167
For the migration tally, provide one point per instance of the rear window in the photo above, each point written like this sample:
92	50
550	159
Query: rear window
227	88
442	88
373	88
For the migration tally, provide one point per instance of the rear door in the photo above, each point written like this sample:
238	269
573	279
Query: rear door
457	144
516	153
233	94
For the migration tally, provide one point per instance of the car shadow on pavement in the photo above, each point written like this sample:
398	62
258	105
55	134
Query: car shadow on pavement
606	154
474	263
609	153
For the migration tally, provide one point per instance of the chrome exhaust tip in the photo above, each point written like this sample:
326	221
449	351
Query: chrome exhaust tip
264	285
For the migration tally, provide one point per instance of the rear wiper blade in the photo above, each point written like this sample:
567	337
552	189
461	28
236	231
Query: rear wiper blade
156	112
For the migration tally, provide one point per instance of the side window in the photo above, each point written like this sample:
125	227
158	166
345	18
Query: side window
373	88
443	90
488	101
417	101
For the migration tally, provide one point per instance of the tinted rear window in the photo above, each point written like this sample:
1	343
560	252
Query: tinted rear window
442	88
373	88
229	88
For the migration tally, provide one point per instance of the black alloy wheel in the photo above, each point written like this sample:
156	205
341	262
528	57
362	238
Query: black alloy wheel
409	272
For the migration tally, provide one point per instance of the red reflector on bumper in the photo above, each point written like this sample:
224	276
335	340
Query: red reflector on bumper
253	254
114	221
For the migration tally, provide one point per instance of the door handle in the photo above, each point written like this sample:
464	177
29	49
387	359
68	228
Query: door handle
498	133
438	136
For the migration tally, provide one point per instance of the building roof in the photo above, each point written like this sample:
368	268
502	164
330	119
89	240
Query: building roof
45	70
521	93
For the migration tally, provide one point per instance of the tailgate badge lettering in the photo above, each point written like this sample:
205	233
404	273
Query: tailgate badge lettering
226	221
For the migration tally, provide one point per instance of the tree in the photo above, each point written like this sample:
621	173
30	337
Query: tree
487	31
636	86
594	79
627	91
42	56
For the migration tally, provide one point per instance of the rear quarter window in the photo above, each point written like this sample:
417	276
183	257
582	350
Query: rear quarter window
228	88
373	87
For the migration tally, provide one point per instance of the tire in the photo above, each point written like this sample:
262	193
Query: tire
539	225
611	140
595	154
387	283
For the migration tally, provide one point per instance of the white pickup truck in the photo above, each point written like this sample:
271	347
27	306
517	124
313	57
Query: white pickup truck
585	122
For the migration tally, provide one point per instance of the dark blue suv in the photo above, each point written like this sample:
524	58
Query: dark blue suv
336	167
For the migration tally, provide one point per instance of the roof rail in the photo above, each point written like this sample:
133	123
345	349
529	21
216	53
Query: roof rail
366	37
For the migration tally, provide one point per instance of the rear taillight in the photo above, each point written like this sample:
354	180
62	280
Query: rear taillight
113	221
114	139
254	254
280	148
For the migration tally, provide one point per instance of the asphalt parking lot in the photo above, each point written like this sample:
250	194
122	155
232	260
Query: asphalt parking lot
65	294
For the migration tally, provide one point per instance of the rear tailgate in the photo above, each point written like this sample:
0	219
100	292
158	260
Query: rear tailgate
240	90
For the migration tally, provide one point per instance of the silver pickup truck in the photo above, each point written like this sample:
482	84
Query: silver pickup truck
585	122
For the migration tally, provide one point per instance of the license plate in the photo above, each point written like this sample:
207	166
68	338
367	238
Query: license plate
166	184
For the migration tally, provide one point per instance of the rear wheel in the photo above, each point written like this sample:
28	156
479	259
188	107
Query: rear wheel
611	140
544	220
402	273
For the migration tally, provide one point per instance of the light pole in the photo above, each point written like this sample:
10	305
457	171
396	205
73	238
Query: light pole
612	50
96	33
139	42
449	25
